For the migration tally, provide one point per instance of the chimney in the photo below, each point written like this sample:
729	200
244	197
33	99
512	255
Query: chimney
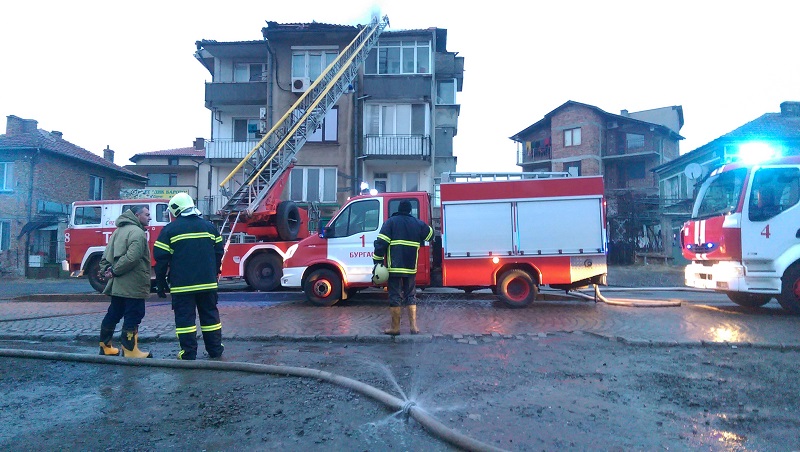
624	113
199	144
57	134
790	108
17	126
108	154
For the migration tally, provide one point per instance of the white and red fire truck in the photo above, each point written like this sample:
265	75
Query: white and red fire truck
744	235
508	235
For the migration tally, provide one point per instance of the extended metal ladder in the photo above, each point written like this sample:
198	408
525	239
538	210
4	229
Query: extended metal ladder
276	151
485	177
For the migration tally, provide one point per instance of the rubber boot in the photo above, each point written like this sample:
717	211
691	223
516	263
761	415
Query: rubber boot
412	318
395	329
130	345
105	342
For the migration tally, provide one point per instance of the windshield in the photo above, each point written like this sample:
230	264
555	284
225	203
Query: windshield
720	194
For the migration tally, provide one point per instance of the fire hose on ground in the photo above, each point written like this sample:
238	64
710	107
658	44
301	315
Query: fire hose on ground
408	408
634	303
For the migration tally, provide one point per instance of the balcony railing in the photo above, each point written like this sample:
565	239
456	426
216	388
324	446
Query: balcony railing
397	145
227	148
534	154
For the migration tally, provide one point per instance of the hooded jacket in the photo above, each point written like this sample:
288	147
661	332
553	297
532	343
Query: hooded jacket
128	256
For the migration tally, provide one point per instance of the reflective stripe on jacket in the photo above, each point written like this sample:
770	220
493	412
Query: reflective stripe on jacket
188	253
399	241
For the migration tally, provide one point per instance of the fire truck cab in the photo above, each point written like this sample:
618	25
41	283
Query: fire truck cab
92	223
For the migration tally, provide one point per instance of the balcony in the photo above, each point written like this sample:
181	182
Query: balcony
227	148
537	154
239	93
398	146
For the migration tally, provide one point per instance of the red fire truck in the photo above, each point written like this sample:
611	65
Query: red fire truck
508	235
744	235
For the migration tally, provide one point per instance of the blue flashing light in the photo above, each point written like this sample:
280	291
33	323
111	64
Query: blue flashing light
755	152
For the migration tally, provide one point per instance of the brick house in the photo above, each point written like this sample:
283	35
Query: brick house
584	140
40	175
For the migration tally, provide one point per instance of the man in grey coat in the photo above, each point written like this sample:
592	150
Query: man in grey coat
126	264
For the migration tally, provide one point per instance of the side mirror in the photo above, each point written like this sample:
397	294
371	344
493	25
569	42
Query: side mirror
325	231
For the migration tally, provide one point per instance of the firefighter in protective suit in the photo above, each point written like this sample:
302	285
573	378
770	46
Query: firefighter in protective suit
188	254
398	244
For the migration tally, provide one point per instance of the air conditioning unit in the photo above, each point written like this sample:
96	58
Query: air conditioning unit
300	84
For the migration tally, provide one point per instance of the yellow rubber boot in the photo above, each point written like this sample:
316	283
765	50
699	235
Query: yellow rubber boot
130	346
395	329
412	318
108	349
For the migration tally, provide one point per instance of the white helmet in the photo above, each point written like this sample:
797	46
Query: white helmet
180	204
381	275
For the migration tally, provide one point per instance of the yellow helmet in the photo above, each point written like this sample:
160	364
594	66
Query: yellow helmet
381	275
180	203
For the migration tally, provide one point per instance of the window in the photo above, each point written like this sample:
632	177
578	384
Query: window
87	215
5	235
95	188
311	63
162	179
721	195
399	57
357	218
6	176
249	72
634	141
246	130
328	131
572	137
396	182
774	190
394	204
310	184
573	168
173	161
446	92
395	119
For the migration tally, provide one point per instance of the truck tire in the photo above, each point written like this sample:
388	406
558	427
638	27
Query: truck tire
789	297
517	289
287	220
748	300
323	287
264	271
92	272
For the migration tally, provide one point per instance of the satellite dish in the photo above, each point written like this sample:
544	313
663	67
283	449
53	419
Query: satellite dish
693	171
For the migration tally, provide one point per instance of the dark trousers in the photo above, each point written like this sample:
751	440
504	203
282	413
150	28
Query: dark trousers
132	309
185	305
402	290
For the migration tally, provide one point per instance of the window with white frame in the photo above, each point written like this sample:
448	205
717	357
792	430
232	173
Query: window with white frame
95	188
5	235
399	57
396	119
162	180
310	184
572	137
311	62
249	72
396	181
246	130
446	92
6	176
634	141
328	131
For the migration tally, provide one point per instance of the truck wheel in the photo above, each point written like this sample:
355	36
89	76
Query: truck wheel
748	300
517	289
97	280
323	287
287	220
264	272
790	290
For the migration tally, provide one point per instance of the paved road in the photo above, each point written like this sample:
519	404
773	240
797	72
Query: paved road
702	317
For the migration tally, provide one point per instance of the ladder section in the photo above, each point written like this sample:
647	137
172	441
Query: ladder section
486	177
276	151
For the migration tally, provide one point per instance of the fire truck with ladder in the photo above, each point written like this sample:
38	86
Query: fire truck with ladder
743	238
257	225
511	232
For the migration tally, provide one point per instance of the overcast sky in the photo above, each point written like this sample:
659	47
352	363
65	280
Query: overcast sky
123	73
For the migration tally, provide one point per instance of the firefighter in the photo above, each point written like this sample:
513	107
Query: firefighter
126	264
398	243
188	255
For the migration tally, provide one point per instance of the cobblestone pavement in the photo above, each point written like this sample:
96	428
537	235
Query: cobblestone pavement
280	316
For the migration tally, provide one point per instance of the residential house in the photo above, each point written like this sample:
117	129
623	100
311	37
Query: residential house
393	129
41	174
679	179
584	140
172	171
